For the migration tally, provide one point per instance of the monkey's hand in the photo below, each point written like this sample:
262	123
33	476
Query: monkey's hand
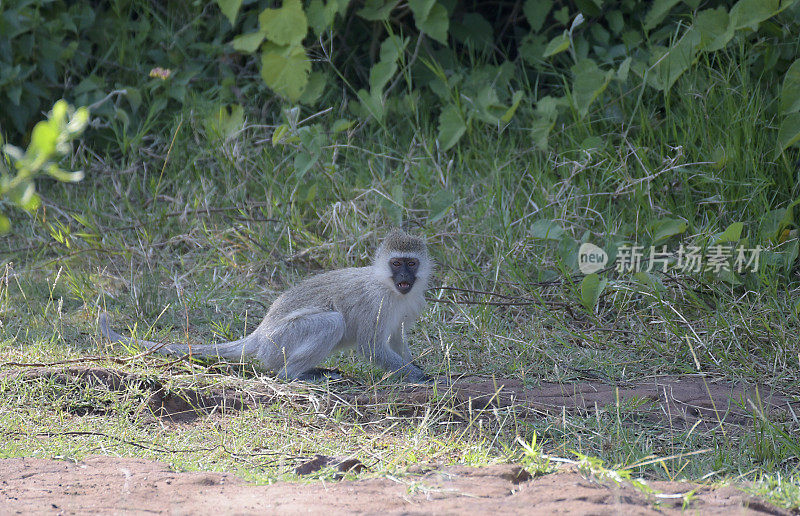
432	380
415	374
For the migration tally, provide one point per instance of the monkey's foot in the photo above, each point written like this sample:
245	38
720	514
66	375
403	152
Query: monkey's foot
320	375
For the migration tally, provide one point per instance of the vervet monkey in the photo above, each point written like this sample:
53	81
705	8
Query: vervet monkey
366	308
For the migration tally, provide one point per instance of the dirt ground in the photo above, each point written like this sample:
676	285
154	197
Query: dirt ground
110	485
676	401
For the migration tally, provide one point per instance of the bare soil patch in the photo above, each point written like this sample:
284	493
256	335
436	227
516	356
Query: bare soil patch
677	401
106	485
123	485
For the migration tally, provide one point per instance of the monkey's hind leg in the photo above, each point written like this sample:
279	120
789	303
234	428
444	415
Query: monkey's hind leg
304	341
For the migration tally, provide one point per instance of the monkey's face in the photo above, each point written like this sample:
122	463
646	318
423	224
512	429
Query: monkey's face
404	273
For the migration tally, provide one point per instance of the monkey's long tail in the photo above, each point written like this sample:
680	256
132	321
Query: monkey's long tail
237	349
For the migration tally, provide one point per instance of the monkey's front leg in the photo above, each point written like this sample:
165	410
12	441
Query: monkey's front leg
381	353
399	345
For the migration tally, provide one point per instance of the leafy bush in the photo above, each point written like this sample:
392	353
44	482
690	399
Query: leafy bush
132	60
50	141
429	47
101	54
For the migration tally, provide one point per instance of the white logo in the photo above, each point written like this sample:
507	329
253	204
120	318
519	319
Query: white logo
591	258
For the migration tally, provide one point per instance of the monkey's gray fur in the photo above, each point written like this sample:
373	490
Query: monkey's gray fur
358	307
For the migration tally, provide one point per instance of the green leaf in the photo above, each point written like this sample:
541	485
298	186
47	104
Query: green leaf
372	103
122	116
134	97
732	233
312	194
341	125
591	288
285	70
515	100
436	23
380	74
314	88
230	8
14	94
557	45
652	282
540	130
303	162
749	13
789	133
536	12
544	229
487	104
28	200
728	277
63	175
321	16
285	26
666	228
225	122
318	18
624	69
5	224
473	30
392	48
278	136
78	122
567	251
312	138
439	204
791	253
588	82
780	220
790	91
532	48
59	113
548	106
616	22
659	10
248	43
713	26
421	8
669	64
589	8
43	139
772	223
377	10
546	114
562	15
451	127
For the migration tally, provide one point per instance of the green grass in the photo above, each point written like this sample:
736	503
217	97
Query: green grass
197	236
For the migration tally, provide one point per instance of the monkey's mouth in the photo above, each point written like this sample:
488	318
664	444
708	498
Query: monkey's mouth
403	287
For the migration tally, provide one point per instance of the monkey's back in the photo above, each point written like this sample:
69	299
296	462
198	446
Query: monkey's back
375	305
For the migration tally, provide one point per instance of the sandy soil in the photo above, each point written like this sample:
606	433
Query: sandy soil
108	485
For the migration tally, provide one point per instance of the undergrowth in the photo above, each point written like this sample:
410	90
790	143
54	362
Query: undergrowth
193	235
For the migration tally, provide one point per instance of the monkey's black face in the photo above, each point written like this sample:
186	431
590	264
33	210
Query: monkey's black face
404	273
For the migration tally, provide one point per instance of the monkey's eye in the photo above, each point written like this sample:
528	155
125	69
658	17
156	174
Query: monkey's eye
411	263
396	264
